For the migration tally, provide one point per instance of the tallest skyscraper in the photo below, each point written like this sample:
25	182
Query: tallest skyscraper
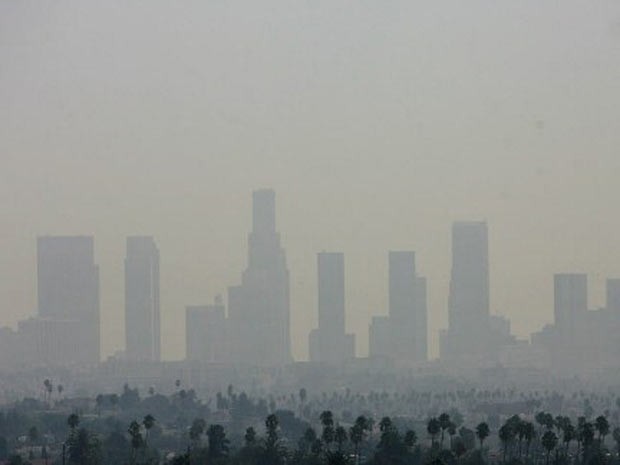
259	309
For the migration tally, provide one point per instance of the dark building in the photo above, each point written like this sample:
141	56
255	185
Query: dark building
142	312
329	342
259	313
68	295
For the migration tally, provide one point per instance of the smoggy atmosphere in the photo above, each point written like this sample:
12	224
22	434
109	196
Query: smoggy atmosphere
377	123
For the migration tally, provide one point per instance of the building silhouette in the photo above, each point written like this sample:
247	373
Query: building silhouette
468	335
142	307
329	342
206	333
259	309
570	305
68	300
613	296
402	335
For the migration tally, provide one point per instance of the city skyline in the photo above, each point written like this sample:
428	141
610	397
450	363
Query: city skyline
64	262
377	124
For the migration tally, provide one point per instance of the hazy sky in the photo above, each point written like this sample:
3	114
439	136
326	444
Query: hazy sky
377	122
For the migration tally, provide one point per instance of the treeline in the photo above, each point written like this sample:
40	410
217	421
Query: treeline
545	440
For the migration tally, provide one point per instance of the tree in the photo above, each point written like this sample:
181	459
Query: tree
549	441
83	448
529	435
616	435
482	432
196	430
327	420
602	426
136	439
273	452
218	443
340	436
148	422
356	434
410	438
433	427
506	435
444	424
250	437
73	421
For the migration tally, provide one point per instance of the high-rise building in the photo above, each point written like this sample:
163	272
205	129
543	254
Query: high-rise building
468	307
570	304
402	335
329	342
613	296
259	310
406	308
142	313
68	290
205	333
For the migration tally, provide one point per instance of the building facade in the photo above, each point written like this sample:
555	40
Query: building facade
142	304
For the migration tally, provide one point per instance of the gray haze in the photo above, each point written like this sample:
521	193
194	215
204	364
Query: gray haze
378	123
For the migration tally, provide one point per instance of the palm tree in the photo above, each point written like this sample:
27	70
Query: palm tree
616	435
506	435
549	441
148	422
340	436
444	424
602	426
327	420
529	435
356	434
433	427
137	441
482	431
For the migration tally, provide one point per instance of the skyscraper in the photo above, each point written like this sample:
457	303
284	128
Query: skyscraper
402	335
142	313
328	342
613	296
205	332
570	305
68	291
259	310
468	307
404	311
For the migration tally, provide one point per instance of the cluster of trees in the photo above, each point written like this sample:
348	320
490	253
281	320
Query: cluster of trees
232	428
543	440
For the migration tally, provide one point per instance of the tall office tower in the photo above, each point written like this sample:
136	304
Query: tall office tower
402	334
468	311
421	320
205	333
142	318
613	296
328	343
404	311
68	291
259	310
570	305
